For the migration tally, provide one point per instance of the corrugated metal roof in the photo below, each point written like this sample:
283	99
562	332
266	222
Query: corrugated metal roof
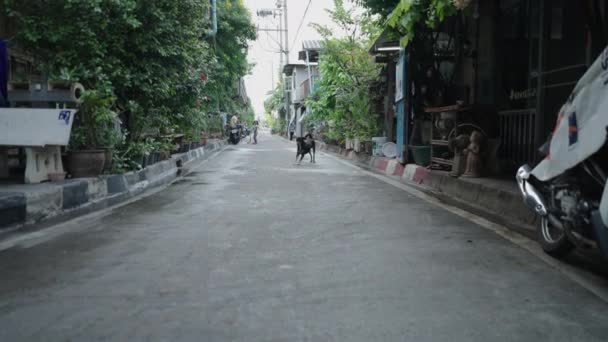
312	45
384	40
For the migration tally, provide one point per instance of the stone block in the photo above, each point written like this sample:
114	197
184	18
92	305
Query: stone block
12	209
97	188
132	178
44	200
410	172
398	170
75	193
154	171
459	189
391	166
116	184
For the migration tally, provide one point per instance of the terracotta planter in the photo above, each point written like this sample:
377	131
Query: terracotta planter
86	163
56	176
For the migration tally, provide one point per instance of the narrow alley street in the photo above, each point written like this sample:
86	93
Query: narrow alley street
251	247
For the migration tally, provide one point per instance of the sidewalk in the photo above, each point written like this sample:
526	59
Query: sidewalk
495	199
50	203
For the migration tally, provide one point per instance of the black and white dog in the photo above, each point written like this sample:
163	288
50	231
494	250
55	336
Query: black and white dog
306	145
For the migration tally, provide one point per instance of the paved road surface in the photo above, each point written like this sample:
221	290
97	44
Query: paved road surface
254	248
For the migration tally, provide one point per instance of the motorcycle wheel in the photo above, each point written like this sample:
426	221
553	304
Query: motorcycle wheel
553	240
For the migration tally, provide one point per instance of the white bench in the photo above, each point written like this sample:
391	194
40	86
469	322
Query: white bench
42	132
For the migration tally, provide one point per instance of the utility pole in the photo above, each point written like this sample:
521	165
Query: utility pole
286	30
281	41
273	12
281	9
283	6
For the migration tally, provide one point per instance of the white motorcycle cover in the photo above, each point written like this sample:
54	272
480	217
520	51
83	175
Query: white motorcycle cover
580	130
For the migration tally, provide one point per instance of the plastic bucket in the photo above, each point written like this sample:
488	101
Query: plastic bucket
421	155
389	149
377	144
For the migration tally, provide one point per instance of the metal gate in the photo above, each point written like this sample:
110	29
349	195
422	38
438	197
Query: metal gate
517	135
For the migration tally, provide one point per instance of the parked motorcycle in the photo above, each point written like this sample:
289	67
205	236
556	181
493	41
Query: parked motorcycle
567	189
234	136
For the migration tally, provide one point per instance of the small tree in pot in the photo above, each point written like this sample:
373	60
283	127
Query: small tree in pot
96	132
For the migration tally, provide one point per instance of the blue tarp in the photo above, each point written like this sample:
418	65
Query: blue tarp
3	74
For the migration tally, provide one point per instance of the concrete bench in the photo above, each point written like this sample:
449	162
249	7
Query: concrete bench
41	132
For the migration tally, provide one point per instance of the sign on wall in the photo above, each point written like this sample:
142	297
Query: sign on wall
399	79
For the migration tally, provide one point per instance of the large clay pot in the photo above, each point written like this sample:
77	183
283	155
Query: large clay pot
86	163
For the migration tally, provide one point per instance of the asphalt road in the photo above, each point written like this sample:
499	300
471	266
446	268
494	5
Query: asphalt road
254	248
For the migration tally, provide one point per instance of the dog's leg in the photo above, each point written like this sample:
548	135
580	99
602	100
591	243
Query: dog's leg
314	152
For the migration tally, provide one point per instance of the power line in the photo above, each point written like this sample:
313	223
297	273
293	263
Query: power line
268	49
301	22
273	38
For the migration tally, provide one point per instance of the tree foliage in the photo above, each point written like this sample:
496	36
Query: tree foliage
228	62
409	16
276	103
276	100
148	59
343	100
380	7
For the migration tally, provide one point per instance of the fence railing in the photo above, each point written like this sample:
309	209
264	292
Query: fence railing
517	135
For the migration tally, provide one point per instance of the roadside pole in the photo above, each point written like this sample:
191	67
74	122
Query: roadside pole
286	51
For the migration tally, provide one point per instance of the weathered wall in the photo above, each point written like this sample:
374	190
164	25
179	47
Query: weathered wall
486	54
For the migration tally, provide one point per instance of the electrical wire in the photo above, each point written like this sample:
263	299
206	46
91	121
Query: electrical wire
270	50
272	38
301	22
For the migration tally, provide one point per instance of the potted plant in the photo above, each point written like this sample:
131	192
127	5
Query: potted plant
139	152
165	146
95	132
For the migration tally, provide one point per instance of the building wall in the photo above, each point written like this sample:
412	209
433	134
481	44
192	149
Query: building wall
299	92
3	22
486	71
535	51
300	74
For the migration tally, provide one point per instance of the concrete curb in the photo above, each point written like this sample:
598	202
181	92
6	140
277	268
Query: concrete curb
498	205
51	203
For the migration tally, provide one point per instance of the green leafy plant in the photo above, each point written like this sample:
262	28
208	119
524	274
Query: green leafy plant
343	100
378	7
144	59
96	124
409	16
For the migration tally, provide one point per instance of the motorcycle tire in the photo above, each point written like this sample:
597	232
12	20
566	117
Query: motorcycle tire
556	245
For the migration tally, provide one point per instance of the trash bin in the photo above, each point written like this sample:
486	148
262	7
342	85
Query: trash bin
377	144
